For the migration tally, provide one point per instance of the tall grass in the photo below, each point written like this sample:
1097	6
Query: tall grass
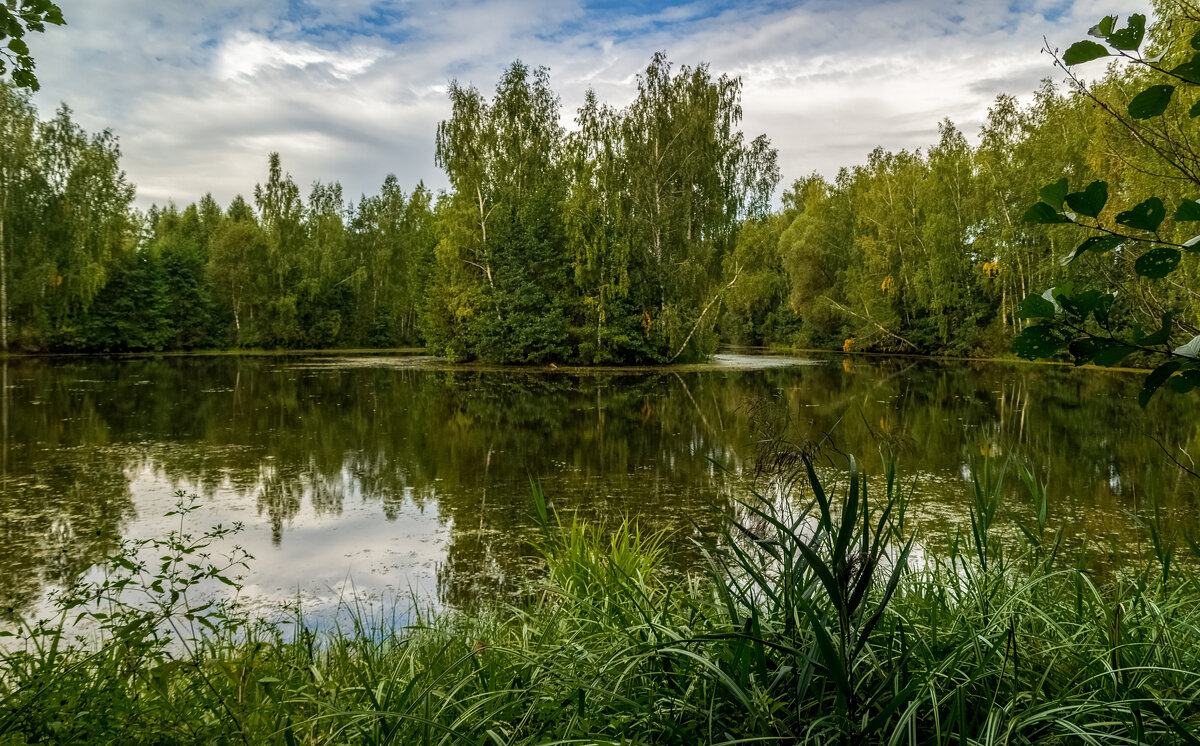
811	623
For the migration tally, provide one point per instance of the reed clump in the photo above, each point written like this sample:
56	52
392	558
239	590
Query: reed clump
812	622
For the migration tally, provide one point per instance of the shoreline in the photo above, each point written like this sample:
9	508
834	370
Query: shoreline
478	365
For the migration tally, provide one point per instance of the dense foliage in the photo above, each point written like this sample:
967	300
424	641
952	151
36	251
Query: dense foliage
1142	247
606	245
815	623
639	234
600	246
80	270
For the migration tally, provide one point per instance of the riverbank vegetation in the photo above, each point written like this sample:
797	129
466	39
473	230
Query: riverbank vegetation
816	620
632	235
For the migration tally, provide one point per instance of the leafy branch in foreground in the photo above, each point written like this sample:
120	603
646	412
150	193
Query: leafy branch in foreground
16	18
1081	320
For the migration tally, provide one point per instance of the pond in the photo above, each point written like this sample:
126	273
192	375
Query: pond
396	475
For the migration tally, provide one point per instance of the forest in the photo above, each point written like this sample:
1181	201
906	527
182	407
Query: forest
644	234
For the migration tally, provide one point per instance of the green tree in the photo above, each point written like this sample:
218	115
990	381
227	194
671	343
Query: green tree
64	220
946	280
690	179
179	243
1018	146
328	273
501	275
596	237
756	308
393	237
275	291
815	249
237	249
133	310
20	185
89	220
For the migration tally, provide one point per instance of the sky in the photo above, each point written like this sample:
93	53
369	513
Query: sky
200	92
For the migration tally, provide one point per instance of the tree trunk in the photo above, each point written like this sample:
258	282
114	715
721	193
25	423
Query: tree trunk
4	273
4	416
737	273
3	286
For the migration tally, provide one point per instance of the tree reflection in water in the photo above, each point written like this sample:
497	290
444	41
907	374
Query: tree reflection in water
340	454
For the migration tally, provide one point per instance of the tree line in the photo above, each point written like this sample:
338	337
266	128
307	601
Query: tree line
934	250
603	244
642	234
80	270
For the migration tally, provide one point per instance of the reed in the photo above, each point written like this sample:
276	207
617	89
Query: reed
810	623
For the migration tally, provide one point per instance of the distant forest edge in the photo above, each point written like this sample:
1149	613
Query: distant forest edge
644	234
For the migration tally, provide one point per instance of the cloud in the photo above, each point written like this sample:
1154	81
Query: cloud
200	92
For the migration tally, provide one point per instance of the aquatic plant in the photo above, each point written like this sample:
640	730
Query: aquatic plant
817	619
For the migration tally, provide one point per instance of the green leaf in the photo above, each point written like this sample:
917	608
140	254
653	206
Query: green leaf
1160	337
1188	210
1082	303
1146	217
1187	380
1037	342
1054	194
1102	352
1130	37
18	46
1111	356
1036	307
1055	293
1091	200
1190	70
1156	379
1196	40
25	79
1084	51
1151	102
1103	29
1043	213
1195	110
1098	244
1158	262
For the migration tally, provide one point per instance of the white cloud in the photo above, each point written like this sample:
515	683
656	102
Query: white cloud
200	92
246	54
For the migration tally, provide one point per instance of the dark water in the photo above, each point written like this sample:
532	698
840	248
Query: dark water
394	475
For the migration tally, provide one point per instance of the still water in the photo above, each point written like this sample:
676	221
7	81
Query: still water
388	476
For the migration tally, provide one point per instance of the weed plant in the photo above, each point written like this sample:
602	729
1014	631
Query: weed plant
811	623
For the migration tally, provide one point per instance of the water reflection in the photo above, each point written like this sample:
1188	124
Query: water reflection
402	474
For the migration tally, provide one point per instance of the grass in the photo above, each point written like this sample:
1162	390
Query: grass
816	620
